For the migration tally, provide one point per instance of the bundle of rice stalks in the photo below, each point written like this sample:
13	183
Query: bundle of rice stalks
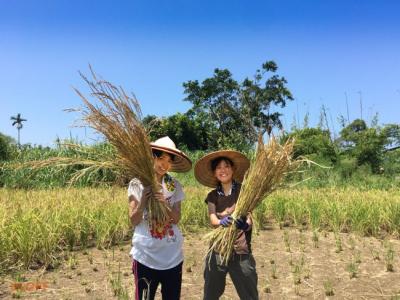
118	117
119	120
266	172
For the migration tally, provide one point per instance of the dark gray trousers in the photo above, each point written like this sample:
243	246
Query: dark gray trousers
241	268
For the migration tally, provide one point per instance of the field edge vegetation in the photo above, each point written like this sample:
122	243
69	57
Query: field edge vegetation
38	226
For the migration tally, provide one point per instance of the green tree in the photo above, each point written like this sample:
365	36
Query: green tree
392	133
363	143
186	132
258	97
314	143
6	143
236	112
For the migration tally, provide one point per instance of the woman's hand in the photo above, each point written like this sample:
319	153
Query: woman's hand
174	211
160	197
226	221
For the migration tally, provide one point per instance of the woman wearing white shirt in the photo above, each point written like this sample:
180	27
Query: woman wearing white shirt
157	255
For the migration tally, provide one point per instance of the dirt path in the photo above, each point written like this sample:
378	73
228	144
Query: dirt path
290	265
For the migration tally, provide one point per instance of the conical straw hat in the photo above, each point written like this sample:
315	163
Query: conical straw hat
205	175
181	162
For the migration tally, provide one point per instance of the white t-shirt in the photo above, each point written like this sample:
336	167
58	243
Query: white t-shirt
157	253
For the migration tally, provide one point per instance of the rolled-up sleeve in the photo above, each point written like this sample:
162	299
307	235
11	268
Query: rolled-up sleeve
135	189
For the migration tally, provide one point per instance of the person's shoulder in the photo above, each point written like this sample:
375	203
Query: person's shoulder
176	182
213	192
211	196
135	188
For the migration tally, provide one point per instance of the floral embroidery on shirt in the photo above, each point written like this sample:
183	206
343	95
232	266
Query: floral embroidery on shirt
169	183
159	231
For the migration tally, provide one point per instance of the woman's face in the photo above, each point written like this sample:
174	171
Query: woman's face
224	172
162	164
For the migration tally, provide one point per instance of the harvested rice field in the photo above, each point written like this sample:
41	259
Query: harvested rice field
290	264
311	244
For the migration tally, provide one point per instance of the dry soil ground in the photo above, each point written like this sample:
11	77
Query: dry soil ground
290	265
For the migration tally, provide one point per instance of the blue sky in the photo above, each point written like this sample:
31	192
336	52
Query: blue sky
323	48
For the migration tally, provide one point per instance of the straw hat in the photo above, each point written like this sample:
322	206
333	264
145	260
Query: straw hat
181	162
205	175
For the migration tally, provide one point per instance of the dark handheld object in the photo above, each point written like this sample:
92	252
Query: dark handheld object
242	224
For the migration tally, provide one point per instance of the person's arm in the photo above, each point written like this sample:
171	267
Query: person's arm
249	220
136	207
174	211
227	212
214	220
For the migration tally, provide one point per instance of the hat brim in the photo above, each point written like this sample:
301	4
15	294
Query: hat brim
181	163
205	175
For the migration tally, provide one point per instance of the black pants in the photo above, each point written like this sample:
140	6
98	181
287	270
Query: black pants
147	280
241	268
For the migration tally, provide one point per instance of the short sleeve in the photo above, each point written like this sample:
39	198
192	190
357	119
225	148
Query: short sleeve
210	198
135	189
179	195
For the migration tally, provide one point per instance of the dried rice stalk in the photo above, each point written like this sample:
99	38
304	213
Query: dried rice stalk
87	166
119	120
86	161
271	163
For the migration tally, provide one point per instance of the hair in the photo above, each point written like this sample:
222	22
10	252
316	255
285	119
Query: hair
215	162
159	153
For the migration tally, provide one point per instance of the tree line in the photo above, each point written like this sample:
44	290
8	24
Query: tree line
226	113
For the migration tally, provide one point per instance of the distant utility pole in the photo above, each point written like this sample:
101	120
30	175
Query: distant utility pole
326	122
361	108
333	124
18	121
298	117
347	107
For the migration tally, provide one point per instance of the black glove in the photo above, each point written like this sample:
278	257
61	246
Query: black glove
242	224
